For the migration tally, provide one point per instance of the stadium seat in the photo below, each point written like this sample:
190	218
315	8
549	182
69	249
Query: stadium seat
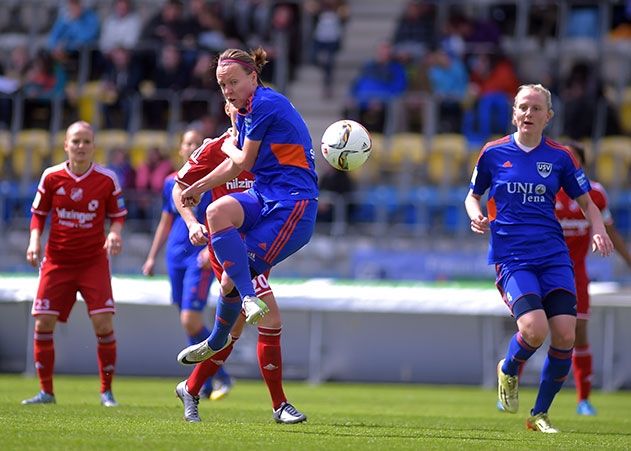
5	149
59	154
88	103
625	111
31	148
106	140
446	156
143	140
613	161
406	148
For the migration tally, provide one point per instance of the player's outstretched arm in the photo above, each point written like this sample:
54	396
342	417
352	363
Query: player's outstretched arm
159	238
479	222
600	238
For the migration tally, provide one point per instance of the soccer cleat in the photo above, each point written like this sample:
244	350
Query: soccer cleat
199	352
107	399
288	414
221	388
190	402
585	408
41	398
255	309
507	390
540	423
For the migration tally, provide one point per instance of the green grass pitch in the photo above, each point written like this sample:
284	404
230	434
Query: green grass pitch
341	416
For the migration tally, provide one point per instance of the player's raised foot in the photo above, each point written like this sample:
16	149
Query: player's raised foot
40	398
585	408
507	390
221	388
199	352
254	309
107	399
540	423
288	414
190	402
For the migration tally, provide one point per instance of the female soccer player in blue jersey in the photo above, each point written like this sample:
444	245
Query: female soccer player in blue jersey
277	215
523	172
188	266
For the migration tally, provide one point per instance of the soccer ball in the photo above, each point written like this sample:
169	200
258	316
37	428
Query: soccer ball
346	145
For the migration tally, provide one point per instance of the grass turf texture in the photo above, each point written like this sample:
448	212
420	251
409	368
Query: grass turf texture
341	416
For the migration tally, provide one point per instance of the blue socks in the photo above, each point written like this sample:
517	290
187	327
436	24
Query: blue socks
228	310
199	337
518	352
232	254
555	370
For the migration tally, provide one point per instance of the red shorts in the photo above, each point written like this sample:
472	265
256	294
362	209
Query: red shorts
59	284
582	294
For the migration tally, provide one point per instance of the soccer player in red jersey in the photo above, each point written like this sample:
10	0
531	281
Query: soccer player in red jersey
79	195
576	231
201	162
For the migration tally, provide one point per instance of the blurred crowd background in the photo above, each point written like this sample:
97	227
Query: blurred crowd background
432	81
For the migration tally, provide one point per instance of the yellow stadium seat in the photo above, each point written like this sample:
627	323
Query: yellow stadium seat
59	154
446	156
143	140
30	149
407	148
106	140
88	103
5	148
613	160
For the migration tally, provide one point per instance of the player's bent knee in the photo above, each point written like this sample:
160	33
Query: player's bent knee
560	302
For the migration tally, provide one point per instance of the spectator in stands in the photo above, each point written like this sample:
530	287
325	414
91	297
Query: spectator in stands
171	74
415	31
119	164
151	173
493	85
120	83
121	28
449	81
337	184
581	95
45	80
76	28
379	82
533	265
166	27
330	18
12	77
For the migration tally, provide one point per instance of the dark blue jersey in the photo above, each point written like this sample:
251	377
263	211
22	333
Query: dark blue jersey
522	188
285	167
179	250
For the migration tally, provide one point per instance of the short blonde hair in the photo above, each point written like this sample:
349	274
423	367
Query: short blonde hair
539	88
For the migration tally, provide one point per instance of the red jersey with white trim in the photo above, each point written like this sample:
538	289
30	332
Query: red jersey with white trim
206	158
576	229
79	205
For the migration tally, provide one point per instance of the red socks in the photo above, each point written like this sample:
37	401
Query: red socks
106	354
44	356
582	367
207	368
271	363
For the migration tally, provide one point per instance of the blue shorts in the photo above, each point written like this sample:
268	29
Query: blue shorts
190	285
275	229
517	280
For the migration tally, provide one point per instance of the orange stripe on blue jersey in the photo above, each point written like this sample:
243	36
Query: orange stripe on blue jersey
286	231
492	144
556	145
491	209
290	155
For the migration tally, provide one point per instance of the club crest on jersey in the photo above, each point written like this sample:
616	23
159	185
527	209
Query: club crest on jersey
93	205
544	169
76	194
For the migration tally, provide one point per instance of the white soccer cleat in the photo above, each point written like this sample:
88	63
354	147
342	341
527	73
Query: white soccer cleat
199	352
190	402
254	309
40	398
107	399
288	414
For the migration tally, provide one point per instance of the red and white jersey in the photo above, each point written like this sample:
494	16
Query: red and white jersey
206	158
79	205
576	229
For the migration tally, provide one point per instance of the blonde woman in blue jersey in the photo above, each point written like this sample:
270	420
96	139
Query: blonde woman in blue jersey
254	230
523	172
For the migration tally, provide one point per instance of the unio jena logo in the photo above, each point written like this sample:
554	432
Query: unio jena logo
544	169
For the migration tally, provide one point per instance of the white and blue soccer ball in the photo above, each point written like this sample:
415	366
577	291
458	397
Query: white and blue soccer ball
346	145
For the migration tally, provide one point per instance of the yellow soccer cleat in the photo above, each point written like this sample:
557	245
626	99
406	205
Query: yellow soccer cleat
507	390
540	423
